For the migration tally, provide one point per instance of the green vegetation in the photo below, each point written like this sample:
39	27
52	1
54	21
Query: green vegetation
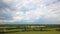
37	32
30	29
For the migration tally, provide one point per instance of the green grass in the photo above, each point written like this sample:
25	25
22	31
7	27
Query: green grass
36	32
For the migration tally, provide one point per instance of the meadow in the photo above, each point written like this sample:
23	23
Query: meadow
36	32
30	29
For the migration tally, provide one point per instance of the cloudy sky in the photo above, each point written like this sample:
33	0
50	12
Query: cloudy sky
29	11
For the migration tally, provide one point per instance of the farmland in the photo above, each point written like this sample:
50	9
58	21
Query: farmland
37	32
30	29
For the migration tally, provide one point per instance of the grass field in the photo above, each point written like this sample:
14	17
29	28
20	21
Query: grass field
37	32
30	29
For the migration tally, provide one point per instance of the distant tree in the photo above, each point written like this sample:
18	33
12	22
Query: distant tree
58	28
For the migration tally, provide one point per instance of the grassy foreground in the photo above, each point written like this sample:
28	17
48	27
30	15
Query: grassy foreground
36	32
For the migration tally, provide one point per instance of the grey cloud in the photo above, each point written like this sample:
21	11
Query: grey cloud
7	15
51	2
3	11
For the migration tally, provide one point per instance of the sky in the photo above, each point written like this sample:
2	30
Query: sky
29	11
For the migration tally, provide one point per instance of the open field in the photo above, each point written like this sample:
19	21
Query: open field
36	32
30	29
